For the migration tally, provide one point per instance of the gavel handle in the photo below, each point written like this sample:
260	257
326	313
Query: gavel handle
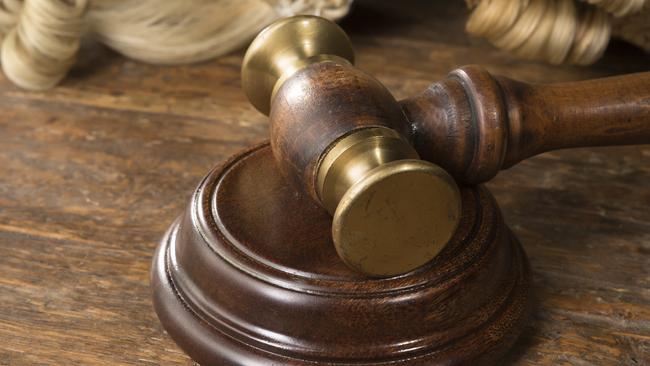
473	124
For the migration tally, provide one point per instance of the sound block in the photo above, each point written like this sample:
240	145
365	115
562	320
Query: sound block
248	275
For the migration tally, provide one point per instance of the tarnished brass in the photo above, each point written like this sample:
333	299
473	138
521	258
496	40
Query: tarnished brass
353	157
285	47
392	211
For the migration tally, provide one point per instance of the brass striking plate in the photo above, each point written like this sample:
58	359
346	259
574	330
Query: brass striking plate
392	212
397	218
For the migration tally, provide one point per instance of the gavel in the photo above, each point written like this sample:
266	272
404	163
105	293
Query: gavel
388	170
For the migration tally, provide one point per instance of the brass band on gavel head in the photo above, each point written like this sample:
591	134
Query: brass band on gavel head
343	137
285	47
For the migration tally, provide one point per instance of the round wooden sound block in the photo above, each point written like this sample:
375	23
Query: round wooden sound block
248	276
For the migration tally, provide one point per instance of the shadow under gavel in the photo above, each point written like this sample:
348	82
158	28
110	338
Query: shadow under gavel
384	168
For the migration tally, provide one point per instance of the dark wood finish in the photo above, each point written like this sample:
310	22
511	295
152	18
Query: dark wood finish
321	104
94	171
474	124
234	287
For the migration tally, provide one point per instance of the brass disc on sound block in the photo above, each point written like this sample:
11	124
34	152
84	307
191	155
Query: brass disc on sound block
397	218
248	276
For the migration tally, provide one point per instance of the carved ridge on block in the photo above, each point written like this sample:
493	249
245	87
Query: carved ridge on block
231	317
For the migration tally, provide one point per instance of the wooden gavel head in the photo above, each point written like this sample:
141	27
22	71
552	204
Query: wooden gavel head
383	168
343	139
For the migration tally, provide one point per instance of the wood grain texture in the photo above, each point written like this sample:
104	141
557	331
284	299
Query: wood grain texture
95	170
474	124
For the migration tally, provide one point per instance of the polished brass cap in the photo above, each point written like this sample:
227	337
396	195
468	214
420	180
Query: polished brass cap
285	47
392	212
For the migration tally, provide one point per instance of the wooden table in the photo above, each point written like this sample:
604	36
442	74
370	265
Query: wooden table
95	170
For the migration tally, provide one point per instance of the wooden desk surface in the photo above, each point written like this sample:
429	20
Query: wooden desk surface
95	170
